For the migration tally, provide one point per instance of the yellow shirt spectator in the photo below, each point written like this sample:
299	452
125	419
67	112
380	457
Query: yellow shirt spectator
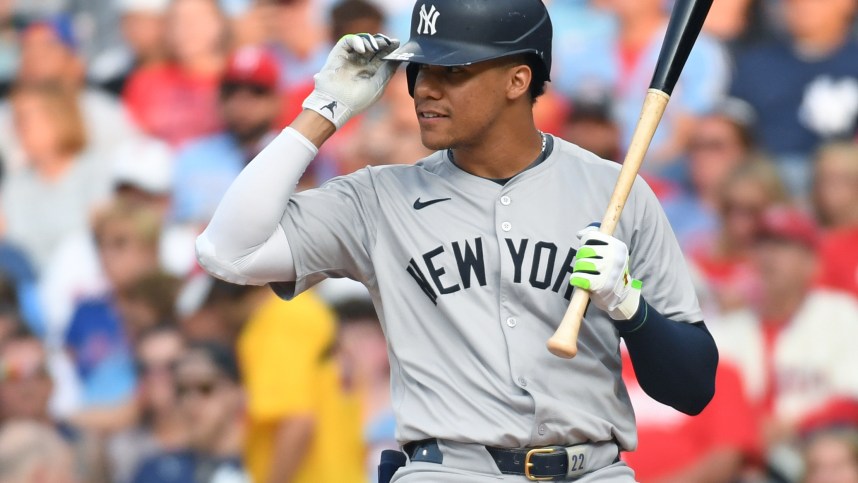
288	366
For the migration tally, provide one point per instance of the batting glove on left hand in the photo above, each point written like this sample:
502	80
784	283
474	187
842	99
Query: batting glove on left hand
353	78
602	268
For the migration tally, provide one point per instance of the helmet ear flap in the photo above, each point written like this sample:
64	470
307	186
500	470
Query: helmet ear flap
411	71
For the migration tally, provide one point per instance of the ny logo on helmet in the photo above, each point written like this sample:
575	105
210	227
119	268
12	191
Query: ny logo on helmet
427	20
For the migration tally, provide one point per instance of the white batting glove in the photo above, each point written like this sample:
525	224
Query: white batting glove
353	78
602	268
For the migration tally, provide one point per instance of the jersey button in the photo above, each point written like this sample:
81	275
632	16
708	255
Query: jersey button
506	226
541	429
511	322
505	200
522	382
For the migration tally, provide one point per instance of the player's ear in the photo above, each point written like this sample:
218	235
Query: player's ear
520	77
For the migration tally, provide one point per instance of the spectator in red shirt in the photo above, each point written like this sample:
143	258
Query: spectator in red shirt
177	101
795	345
724	258
710	447
835	196
142	24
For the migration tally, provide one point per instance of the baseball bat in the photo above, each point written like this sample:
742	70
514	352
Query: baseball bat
684	27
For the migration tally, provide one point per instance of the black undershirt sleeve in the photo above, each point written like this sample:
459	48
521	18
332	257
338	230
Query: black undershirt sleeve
674	362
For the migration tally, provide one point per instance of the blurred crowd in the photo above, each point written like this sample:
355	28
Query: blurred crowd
122	123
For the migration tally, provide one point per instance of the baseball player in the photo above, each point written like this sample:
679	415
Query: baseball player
469	254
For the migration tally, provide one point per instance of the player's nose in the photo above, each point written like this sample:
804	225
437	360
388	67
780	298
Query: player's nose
428	84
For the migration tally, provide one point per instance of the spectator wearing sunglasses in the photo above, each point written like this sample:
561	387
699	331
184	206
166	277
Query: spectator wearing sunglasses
211	401
25	388
249	105
161	426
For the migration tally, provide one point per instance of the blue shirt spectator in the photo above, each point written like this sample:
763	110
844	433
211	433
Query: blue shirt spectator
805	87
801	101
101	354
250	105
204	170
186	467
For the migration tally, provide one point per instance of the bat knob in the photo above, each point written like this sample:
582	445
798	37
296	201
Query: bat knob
562	348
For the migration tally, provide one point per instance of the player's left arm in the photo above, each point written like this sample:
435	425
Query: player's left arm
672	352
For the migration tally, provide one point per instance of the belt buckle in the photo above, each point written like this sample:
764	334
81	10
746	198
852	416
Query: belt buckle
528	465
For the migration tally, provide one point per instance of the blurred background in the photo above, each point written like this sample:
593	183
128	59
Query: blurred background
122	123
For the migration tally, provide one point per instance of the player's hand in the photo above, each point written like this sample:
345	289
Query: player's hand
353	78
602	267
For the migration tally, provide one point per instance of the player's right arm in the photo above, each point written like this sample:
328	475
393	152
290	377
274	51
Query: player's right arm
245	242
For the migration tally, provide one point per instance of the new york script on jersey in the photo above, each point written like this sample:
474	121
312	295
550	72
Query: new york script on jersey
471	266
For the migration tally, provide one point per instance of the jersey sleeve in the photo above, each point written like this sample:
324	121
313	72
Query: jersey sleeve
656	259
331	231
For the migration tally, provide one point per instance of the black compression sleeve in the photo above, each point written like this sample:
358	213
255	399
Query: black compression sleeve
674	362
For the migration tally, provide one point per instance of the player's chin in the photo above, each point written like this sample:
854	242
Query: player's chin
434	140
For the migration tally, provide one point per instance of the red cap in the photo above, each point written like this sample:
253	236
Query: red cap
252	65
788	223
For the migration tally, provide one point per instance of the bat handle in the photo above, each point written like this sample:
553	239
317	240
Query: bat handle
564	342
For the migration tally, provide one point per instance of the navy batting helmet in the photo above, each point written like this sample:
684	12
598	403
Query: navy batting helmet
463	32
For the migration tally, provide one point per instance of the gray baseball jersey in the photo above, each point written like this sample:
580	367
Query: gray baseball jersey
470	279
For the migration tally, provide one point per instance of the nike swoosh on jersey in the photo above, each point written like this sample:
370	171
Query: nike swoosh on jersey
419	205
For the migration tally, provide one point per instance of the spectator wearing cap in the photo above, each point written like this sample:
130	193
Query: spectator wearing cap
803	87
54	194
795	346
49	56
721	141
835	197
177	102
142	23
249	106
211	401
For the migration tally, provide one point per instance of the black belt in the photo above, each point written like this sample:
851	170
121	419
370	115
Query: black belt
536	464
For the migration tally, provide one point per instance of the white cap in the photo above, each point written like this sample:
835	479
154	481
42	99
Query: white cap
146	164
143	6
